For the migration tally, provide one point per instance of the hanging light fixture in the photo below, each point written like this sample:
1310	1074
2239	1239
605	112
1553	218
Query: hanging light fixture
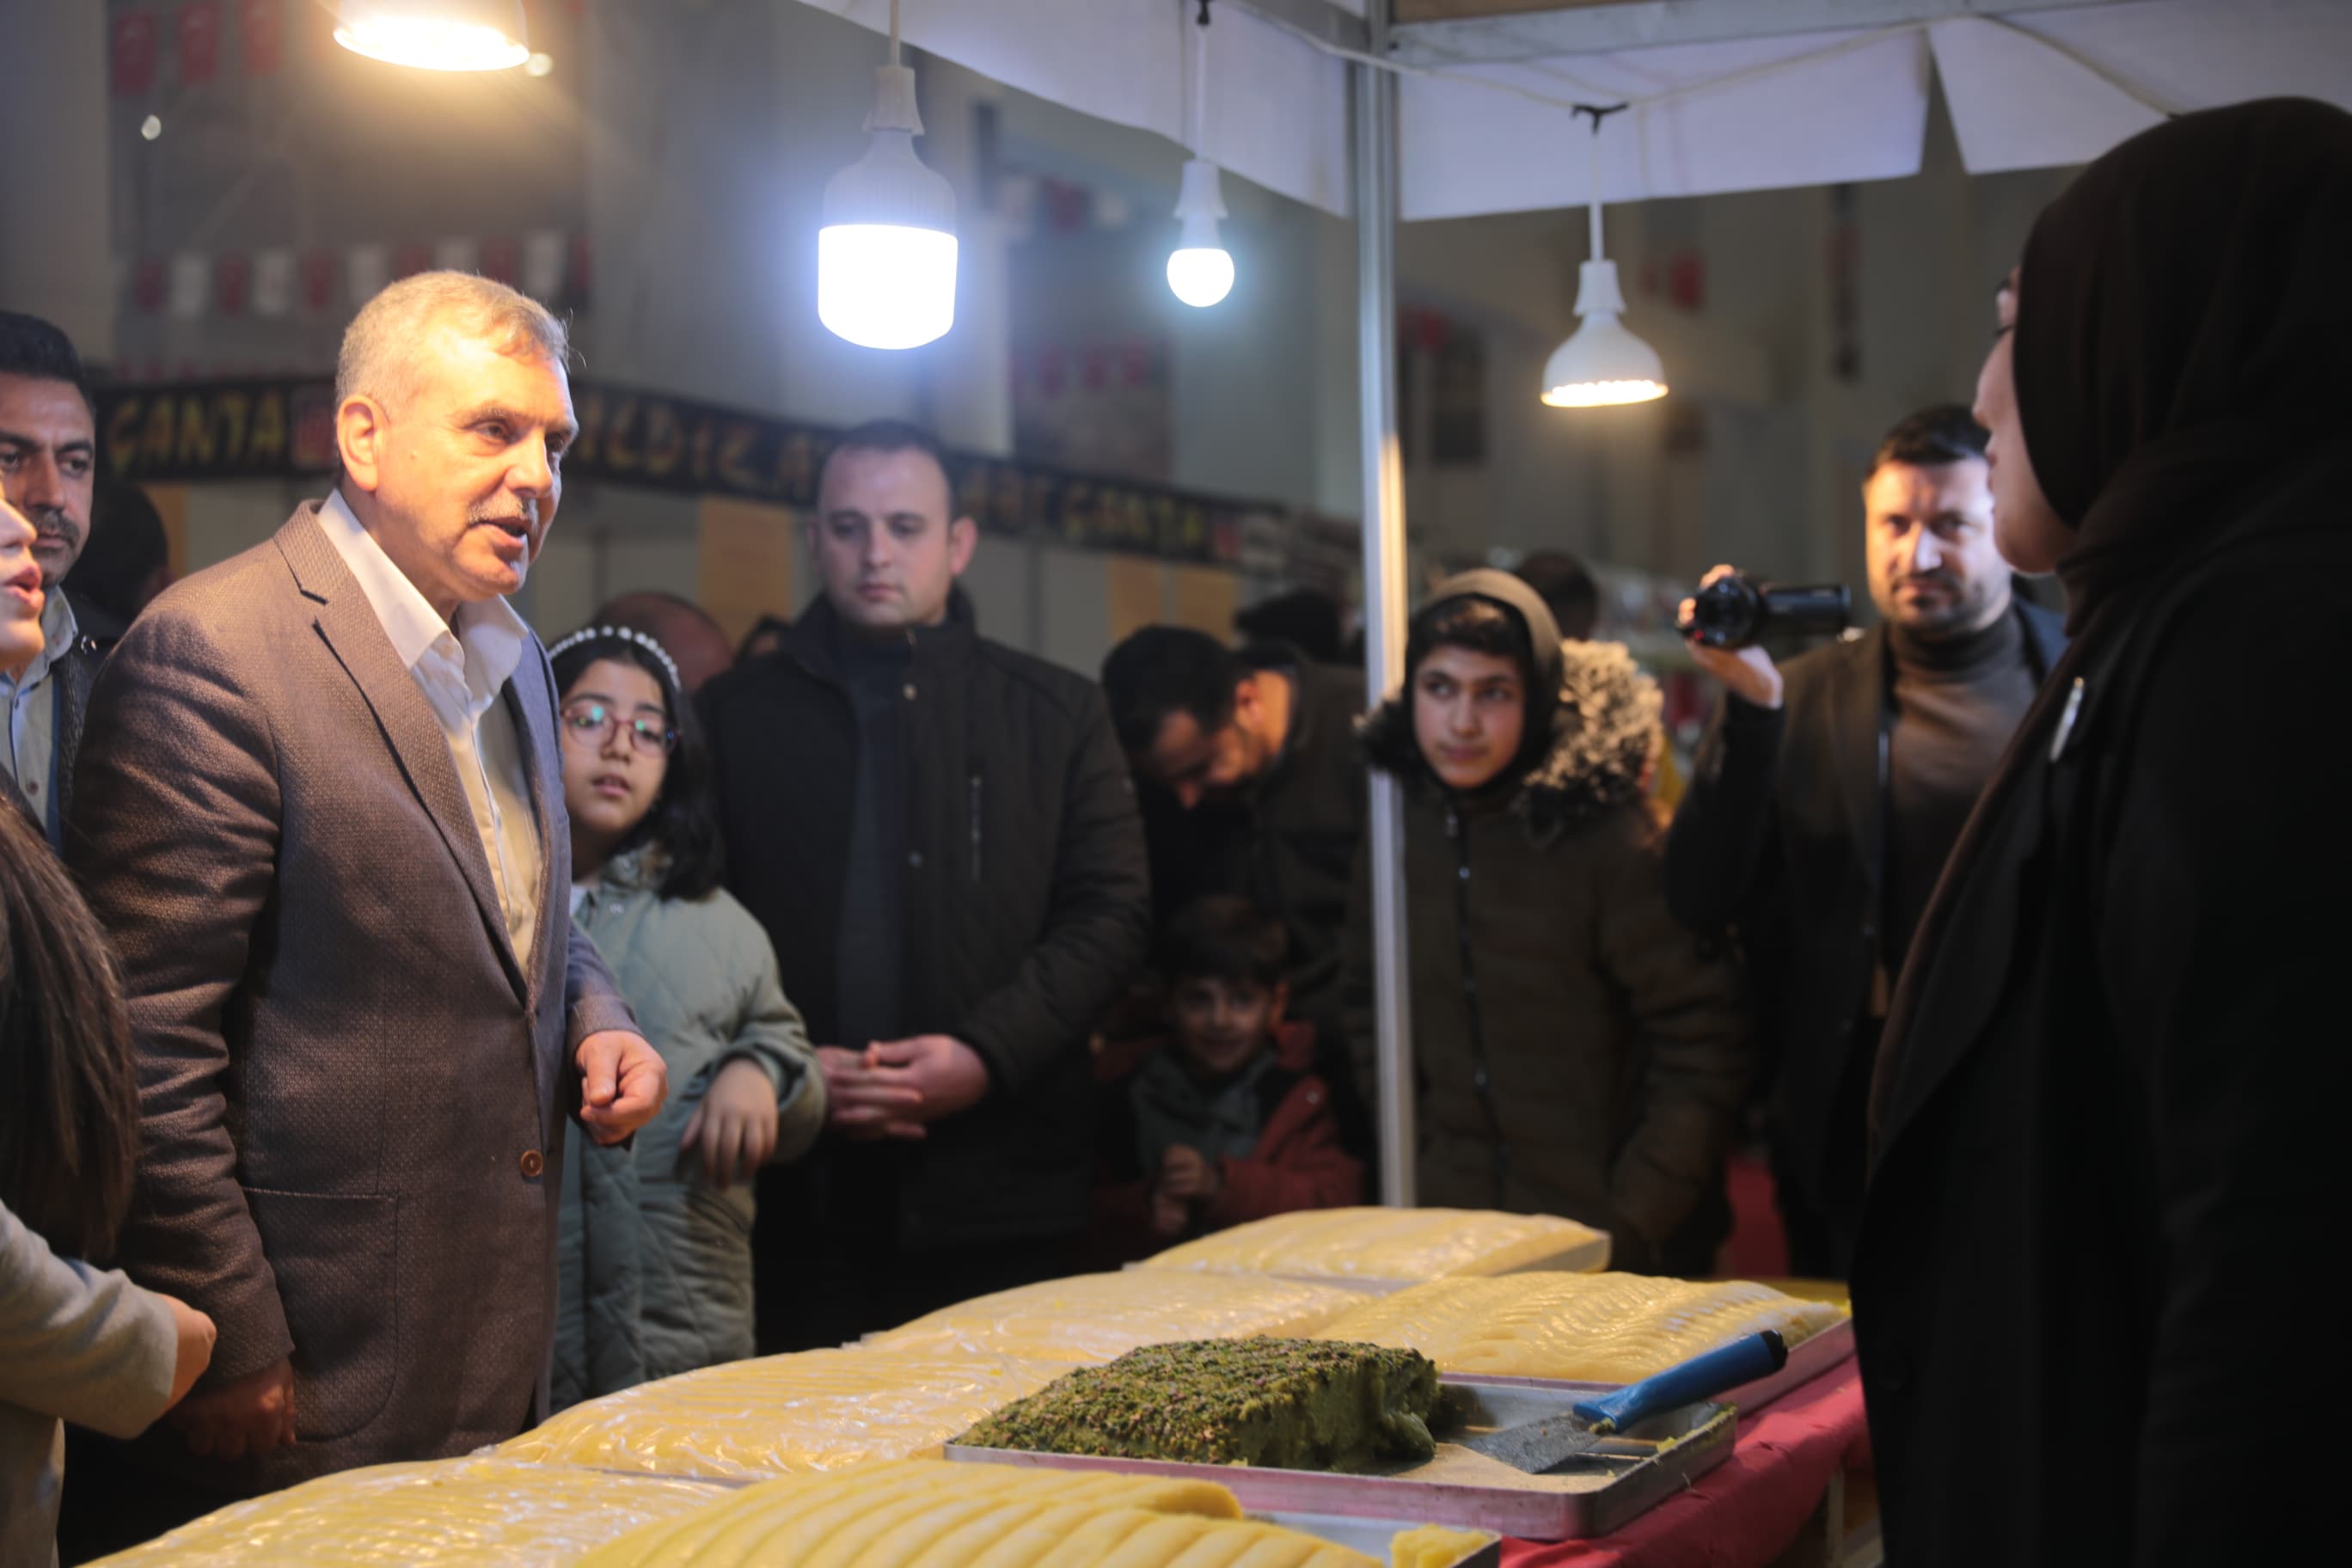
885	258
1601	362
435	35
1200	270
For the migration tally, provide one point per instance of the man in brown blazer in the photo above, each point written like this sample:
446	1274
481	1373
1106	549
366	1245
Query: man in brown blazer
319	810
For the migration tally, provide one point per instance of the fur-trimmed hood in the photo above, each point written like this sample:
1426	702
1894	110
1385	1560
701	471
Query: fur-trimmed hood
1603	732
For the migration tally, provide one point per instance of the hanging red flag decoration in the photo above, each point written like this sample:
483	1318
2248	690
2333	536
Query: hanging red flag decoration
409	260
232	283
318	280
501	258
147	285
262	24
131	47
200	24
579	276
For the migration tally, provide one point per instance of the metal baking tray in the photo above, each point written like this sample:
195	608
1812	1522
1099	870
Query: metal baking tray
1824	1351
1460	1487
1584	1257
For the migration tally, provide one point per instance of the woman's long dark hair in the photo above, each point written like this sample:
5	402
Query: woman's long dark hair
68	1087
684	822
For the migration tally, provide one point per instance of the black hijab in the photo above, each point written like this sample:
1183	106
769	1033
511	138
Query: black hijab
2184	329
2184	334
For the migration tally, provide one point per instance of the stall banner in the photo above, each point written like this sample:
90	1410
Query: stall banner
283	428
131	47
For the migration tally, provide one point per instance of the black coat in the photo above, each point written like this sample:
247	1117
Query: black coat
1782	835
1575	1051
2110	1114
1025	900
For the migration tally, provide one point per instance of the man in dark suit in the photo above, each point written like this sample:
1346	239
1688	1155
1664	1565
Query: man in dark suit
1829	794
48	452
938	832
321	814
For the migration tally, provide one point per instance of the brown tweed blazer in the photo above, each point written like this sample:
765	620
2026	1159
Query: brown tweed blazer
352	1089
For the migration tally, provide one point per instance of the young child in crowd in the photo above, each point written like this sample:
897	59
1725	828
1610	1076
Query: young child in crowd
1224	1121
654	1254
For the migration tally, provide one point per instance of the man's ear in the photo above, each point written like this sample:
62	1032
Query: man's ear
360	428
1279	1005
963	537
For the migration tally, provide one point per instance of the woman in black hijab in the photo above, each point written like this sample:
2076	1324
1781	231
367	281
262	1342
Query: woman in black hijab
2108	1108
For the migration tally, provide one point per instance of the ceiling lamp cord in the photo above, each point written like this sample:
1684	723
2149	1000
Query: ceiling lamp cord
894	32
1596	112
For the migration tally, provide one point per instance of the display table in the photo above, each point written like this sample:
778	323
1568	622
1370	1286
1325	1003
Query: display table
1780	1498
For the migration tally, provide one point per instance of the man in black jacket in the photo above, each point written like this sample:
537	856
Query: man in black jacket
1829	794
1252	785
939	833
48	455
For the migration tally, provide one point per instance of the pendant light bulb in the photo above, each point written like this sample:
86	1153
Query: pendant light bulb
1200	270
1601	362
885	258
435	35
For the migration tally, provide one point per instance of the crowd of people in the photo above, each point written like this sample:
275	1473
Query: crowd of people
407	1028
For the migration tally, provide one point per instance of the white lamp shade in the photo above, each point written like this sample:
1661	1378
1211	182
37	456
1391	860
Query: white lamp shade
1601	362
435	35
885	259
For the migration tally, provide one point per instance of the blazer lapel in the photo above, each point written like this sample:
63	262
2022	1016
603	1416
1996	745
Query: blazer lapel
348	624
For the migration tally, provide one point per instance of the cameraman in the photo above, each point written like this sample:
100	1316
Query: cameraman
1827	794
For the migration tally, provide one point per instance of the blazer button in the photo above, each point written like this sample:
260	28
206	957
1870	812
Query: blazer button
533	1162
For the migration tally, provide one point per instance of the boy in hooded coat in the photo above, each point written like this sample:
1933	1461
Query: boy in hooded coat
1575	1051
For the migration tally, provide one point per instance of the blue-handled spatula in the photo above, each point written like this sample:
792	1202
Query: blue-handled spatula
1587	1432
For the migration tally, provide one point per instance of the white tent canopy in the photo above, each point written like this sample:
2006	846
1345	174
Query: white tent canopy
1724	95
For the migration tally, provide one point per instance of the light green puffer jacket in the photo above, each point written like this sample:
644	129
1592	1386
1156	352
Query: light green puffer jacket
653	1264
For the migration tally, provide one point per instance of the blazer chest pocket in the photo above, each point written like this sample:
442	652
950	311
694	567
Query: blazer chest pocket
335	1260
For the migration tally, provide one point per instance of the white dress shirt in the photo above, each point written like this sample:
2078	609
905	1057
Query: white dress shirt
462	673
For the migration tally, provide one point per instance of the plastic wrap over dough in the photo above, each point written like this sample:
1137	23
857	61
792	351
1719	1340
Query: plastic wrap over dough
1578	1328
818	1410
481	1512
927	1514
1388	1244
1100	1317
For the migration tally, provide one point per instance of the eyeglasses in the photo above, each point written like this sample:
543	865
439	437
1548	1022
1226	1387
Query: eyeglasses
591	724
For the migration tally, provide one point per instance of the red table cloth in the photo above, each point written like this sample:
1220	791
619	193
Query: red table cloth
1748	1509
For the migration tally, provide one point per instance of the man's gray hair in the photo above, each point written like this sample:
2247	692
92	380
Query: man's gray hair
379	347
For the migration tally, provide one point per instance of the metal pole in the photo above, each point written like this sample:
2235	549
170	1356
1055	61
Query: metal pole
1384	588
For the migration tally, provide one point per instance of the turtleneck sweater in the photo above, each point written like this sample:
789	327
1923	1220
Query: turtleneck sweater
1957	701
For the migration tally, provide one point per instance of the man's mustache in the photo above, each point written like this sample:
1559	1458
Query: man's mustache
52	521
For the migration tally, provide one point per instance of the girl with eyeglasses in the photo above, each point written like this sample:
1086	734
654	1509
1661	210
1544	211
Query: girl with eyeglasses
655	1250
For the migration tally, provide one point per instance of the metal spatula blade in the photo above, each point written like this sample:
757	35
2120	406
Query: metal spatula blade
1588	1432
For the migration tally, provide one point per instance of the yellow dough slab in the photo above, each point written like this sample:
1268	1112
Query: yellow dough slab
447	1513
1436	1546
819	1410
1098	1317
1385	1244
1579	1328
921	1514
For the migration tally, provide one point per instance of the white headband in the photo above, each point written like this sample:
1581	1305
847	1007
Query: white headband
624	634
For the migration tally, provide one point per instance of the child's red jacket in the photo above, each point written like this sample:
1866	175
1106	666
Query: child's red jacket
1296	1165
